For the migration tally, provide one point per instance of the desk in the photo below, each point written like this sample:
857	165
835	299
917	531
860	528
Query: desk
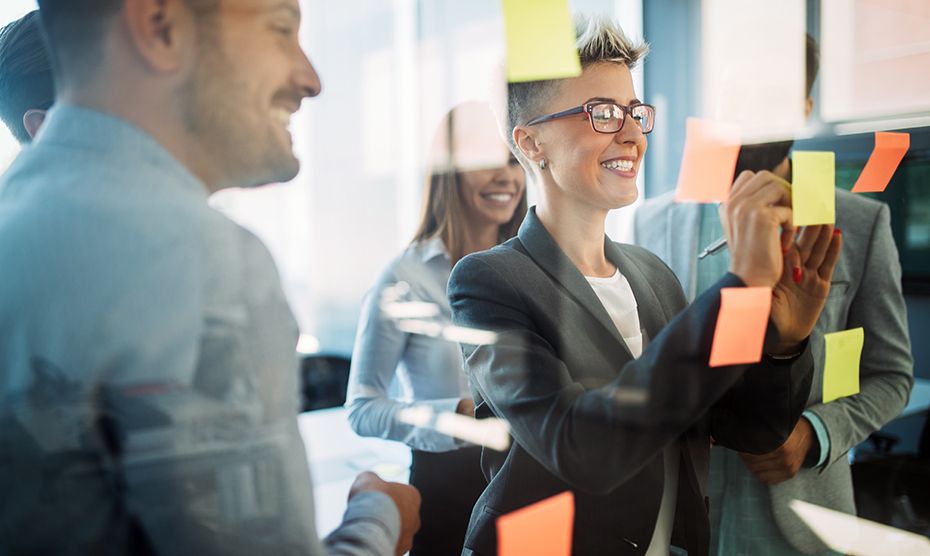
336	455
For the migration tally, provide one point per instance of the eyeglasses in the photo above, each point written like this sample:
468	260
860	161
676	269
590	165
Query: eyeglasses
607	117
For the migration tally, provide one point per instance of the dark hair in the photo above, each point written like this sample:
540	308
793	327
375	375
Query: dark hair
25	74
441	215
812	59
74	29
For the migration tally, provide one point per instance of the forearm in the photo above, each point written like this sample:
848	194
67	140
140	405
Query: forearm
379	417
370	526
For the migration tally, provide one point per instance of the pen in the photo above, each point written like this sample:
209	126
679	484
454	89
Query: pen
714	247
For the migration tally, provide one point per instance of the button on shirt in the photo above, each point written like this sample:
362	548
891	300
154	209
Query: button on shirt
429	371
149	376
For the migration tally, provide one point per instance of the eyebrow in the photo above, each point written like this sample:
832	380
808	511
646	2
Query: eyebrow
607	99
287	7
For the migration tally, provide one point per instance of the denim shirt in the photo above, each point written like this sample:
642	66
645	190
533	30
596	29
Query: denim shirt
147	364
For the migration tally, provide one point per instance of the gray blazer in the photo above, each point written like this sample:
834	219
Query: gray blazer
866	291
588	417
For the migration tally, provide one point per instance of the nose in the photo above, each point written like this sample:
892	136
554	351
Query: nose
305	77
630	132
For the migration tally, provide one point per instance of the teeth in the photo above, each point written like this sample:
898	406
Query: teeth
281	115
622	165
499	197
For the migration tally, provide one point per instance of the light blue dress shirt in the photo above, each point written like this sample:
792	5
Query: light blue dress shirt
741	520
148	374
429	370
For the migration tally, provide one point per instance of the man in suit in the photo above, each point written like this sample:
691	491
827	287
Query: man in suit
750	493
26	90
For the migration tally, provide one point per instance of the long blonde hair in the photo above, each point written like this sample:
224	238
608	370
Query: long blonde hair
442	213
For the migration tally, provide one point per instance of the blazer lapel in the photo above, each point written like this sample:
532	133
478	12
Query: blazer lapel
651	319
549	256
682	247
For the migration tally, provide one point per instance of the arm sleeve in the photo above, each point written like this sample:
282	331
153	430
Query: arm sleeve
886	367
379	348
593	438
371	525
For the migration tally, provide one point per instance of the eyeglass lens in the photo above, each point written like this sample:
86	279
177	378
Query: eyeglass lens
608	118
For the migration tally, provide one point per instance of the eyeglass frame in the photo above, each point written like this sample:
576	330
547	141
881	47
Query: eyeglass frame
586	109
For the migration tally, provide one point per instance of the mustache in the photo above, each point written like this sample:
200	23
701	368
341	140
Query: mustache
289	97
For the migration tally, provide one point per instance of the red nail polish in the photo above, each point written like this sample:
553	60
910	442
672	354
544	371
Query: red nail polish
797	275
837	232
784	251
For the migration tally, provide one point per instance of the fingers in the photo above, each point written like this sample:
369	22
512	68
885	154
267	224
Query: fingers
832	255
767	189
813	244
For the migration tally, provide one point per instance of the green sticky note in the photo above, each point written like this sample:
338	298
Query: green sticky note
540	40
813	190
841	369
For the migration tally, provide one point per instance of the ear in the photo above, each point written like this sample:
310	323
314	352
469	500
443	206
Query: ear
808	107
161	32
526	141
32	121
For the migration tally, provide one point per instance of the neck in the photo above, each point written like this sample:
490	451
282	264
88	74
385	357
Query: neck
480	238
143	109
579	232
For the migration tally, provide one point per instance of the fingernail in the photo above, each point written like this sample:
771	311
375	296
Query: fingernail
784	250
837	232
797	275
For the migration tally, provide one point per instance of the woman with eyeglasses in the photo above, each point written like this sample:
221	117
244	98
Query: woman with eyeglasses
600	366
475	198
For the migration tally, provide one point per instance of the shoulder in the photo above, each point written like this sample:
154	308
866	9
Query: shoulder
860	217
501	263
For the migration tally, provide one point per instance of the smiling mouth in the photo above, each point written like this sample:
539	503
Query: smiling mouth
619	165
498	197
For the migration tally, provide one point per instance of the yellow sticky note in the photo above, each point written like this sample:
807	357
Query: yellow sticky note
813	190
540	40
541	528
841	370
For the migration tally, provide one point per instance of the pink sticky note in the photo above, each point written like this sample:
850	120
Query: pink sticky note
741	324
543	528
709	161
889	150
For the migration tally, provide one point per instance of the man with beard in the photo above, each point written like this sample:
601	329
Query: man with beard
749	494
148	373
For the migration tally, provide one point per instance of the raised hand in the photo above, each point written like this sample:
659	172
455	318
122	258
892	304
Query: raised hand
800	294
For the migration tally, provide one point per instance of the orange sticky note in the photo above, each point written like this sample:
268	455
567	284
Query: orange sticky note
709	161
889	150
741	324
543	528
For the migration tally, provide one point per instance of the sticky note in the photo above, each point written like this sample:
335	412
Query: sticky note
540	40
741	324
709	160
888	153
541	528
841	369
813	192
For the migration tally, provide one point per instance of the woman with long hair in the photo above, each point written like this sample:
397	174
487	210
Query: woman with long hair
475	198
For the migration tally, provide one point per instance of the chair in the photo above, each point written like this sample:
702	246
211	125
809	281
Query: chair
323	381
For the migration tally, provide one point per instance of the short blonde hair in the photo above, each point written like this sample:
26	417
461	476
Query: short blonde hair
600	40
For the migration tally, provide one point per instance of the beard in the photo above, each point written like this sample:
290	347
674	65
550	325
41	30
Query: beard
232	129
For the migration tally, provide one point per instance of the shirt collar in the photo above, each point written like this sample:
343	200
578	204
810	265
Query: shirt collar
113	138
432	248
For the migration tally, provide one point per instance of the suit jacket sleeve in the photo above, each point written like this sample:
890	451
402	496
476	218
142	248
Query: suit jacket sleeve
886	367
595	439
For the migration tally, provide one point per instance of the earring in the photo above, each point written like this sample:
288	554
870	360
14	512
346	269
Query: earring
543	164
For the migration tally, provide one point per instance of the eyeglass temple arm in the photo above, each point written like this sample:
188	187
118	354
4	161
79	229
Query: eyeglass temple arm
562	114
